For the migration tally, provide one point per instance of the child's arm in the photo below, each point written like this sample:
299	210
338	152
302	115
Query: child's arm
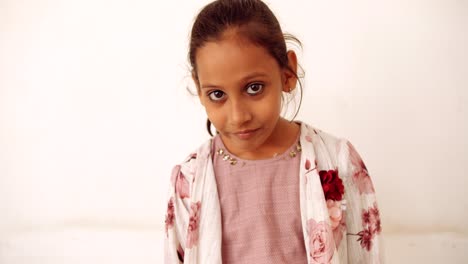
176	218
363	223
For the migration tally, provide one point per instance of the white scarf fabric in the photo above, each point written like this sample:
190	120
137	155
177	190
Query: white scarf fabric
337	232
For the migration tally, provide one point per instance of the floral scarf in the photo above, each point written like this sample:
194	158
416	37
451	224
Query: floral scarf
339	213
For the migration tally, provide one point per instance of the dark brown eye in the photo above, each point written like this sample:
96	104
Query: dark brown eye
255	88
216	95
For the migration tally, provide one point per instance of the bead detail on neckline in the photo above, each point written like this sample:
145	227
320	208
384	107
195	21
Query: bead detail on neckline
233	161
226	157
294	153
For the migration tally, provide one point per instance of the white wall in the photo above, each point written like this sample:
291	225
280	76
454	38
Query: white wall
94	110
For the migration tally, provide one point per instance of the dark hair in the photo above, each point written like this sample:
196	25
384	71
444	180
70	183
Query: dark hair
252	19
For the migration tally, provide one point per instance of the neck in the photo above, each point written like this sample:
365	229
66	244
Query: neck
282	137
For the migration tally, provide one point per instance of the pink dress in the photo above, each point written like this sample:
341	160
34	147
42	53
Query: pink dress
260	208
339	215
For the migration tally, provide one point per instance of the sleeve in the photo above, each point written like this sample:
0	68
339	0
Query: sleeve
176	217
363	224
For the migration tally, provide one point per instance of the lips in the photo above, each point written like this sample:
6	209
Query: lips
246	134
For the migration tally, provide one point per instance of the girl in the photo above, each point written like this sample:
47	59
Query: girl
264	189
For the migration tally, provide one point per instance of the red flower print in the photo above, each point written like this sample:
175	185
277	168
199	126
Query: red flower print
365	217
374	217
170	215
372	226
307	164
360	177
363	181
321	242
377	227
192	235
333	190
365	238
332	185
180	182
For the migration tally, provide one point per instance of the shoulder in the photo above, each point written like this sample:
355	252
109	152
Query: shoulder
338	150
188	167
322	140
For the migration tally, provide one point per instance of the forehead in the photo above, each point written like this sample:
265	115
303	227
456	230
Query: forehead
231	59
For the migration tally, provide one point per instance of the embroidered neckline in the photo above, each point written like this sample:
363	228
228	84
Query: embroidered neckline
233	161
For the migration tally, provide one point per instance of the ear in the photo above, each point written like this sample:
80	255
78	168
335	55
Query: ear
197	85
289	75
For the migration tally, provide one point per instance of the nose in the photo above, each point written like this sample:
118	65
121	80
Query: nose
240	112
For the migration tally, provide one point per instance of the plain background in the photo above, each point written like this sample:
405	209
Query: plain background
94	112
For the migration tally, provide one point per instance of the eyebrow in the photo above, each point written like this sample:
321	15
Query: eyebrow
244	79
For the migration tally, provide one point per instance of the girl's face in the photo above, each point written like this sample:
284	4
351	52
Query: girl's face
240	85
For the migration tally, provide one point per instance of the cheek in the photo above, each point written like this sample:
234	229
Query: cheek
214	114
270	109
273	105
